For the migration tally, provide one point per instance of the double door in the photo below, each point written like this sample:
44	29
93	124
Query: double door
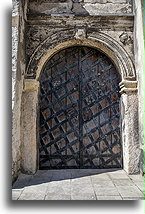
79	123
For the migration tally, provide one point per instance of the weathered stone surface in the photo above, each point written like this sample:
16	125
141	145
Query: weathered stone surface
15	97
14	60
15	7
131	146
51	8
29	114
79	7
101	9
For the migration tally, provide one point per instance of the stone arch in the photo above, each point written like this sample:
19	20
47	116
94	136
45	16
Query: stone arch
128	85
100	41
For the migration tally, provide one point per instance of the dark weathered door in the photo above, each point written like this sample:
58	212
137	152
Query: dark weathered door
79	111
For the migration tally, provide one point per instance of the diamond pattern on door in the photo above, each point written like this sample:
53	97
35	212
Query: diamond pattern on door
79	111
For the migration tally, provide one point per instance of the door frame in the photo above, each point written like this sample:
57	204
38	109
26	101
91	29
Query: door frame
129	101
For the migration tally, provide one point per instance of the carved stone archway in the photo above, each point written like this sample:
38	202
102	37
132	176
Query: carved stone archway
128	85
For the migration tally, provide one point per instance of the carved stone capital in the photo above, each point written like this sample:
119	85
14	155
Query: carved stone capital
31	84
128	86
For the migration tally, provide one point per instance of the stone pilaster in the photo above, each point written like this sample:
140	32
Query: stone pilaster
129	115
29	126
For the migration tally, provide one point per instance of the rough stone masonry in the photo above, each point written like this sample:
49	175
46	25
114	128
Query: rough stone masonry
40	29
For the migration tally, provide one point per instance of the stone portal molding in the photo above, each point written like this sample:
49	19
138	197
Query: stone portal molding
128	86
68	38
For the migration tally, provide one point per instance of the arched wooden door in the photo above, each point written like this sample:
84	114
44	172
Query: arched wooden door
79	111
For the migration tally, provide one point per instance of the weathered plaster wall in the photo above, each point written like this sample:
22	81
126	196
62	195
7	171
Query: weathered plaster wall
18	69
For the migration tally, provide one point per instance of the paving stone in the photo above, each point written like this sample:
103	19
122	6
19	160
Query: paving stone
59	187
32	196
41	188
105	191
101	177
133	198
129	191
82	180
109	198
123	182
53	196
16	194
102	183
83	197
120	174
137	177
82	189
140	185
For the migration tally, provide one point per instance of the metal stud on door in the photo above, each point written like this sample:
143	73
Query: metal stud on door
79	111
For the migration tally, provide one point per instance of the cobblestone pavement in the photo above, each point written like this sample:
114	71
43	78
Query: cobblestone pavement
78	184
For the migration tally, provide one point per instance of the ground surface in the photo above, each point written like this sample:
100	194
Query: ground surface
78	184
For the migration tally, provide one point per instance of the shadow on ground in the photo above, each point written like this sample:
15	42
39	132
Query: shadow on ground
46	176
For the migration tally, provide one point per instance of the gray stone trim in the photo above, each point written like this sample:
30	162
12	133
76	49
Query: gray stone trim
67	38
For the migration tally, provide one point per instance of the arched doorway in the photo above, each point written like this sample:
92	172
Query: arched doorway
79	111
